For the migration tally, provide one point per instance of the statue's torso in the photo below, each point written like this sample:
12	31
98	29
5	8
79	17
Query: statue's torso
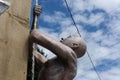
55	69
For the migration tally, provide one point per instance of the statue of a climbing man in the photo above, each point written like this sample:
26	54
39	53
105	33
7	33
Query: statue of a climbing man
64	65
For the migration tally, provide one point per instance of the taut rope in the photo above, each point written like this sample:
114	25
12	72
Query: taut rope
34	45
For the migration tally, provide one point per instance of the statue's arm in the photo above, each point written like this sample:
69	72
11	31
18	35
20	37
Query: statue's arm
59	49
39	58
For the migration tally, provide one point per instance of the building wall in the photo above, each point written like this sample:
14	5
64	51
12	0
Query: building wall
14	32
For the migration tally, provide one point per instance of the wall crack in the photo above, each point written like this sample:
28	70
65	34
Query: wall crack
22	21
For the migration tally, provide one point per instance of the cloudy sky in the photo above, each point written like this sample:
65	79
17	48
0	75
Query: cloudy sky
99	25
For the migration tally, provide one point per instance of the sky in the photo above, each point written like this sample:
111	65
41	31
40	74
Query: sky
99	25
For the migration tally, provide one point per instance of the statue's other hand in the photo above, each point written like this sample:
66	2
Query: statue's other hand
37	9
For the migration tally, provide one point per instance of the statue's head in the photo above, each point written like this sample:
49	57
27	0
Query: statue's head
76	43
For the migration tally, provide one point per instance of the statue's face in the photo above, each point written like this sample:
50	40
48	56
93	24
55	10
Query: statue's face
76	43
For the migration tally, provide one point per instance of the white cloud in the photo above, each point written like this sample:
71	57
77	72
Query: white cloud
102	43
53	18
111	74
81	5
107	5
49	31
91	20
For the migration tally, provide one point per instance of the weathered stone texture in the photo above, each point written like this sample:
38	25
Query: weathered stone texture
14	32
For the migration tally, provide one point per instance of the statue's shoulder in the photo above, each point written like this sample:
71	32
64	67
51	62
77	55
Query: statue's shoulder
54	62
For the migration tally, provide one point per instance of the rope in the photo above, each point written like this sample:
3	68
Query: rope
33	62
80	36
36	2
34	46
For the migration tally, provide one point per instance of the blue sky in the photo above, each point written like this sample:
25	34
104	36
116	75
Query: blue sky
99	24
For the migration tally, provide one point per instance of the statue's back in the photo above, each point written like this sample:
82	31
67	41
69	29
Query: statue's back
54	70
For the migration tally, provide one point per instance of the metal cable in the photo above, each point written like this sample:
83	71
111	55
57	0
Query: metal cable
80	36
72	18
93	66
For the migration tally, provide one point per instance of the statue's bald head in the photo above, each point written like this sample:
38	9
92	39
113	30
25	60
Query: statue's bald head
76	43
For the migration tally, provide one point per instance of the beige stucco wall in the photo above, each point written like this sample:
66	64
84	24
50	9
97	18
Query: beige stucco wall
14	31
